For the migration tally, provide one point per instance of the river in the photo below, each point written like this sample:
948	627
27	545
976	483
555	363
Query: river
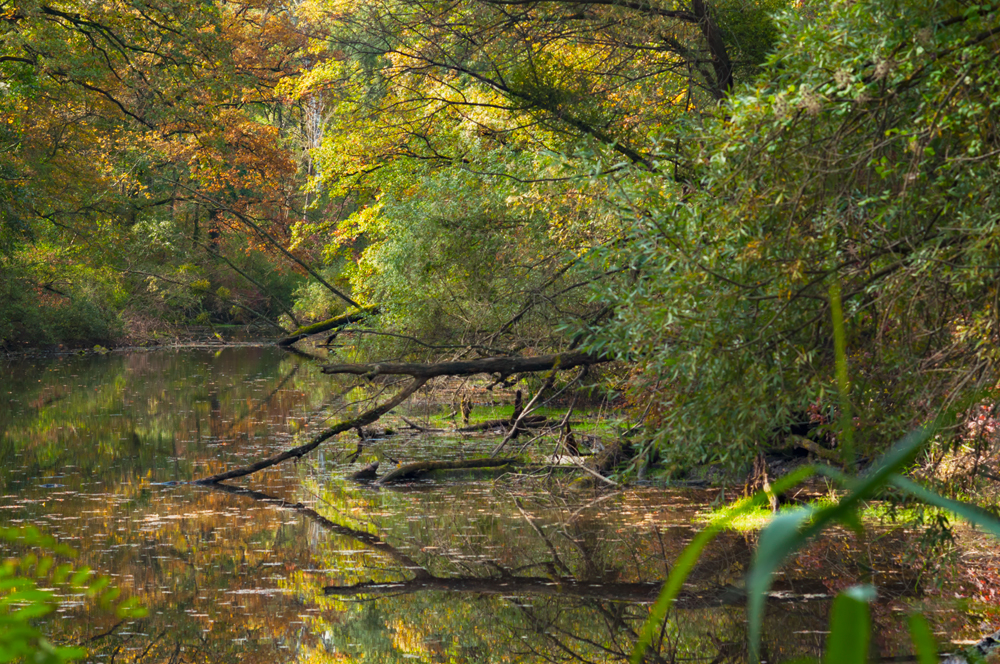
300	564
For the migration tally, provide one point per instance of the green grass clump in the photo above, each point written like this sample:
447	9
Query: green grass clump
872	513
735	516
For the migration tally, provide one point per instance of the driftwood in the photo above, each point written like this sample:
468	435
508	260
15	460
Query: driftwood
412	470
504	366
298	452
369	472
334	323
817	449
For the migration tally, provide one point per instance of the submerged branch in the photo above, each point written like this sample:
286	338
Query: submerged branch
297	452
530	422
418	468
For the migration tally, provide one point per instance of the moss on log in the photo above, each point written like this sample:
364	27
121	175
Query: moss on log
411	470
334	323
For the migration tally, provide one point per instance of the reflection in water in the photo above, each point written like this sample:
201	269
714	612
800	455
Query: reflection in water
306	566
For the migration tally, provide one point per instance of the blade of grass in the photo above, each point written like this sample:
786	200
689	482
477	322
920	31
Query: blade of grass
923	639
686	561
970	513
792	532
850	627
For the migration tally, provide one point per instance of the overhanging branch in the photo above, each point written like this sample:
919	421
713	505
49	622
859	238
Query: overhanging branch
504	366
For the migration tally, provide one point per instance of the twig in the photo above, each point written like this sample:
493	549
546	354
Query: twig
517	423
417	426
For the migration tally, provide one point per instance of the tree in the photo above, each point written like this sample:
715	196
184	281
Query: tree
861	163
143	134
454	176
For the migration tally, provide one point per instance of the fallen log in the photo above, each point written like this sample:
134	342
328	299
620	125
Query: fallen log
505	366
412	470
814	447
334	323
369	472
531	421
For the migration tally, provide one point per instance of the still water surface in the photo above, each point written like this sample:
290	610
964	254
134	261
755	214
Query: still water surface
299	564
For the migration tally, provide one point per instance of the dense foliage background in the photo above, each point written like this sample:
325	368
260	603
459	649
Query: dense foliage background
679	184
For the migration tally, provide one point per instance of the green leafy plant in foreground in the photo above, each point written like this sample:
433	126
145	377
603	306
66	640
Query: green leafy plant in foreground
790	529
29	586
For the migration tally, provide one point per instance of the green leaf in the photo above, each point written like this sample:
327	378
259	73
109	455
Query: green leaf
130	609
850	627
970	513
29	595
678	573
80	578
61	574
99	584
787	532
33	610
686	561
782	536
923	639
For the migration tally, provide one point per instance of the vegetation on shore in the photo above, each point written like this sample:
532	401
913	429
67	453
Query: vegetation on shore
687	188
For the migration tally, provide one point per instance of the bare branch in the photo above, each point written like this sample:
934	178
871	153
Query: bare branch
501	365
298	452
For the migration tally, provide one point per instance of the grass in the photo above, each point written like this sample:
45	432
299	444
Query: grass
746	522
874	513
583	421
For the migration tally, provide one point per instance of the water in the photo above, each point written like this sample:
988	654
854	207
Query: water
299	564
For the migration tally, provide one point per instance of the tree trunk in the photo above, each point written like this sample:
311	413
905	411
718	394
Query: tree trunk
413	470
505	366
334	323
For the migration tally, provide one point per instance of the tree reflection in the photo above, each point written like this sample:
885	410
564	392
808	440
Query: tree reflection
584	606
317	569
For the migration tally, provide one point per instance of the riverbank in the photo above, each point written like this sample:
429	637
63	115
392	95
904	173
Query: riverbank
161	336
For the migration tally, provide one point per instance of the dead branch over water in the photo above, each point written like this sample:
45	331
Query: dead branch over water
504	366
298	452
421	373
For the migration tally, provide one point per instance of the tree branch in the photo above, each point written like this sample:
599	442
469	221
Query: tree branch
298	452
501	365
